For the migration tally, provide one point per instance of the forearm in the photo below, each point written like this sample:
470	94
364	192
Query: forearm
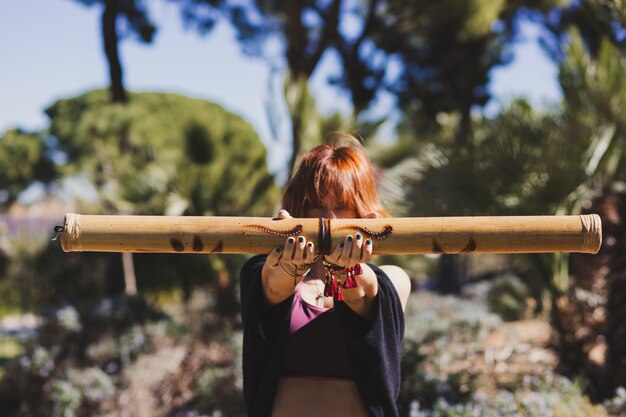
361	299
277	284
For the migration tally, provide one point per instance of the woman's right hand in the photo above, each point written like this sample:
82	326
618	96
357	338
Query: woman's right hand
286	265
296	252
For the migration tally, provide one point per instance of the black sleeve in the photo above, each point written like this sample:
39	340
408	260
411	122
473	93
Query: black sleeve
256	318
264	330
375	346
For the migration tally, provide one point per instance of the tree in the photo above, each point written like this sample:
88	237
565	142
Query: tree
134	15
306	30
24	160
445	59
591	317
596	20
443	62
121	18
177	156
520	165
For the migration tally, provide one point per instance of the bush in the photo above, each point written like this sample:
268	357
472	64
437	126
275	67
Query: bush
617	404
435	326
507	297
73	367
549	397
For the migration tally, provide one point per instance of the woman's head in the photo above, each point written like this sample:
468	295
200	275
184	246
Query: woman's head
338	171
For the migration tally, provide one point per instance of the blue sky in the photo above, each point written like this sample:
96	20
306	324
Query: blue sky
52	49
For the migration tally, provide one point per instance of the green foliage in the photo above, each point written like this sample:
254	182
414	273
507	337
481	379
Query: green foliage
445	58
617	404
9	348
312	126
594	92
74	367
521	163
445	374
165	154
550	397
82	388
507	297
434	326
24	159
592	76
42	278
597	21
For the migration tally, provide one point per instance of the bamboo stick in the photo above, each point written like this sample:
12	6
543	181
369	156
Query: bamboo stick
417	235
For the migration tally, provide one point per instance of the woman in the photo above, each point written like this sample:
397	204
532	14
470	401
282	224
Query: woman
323	335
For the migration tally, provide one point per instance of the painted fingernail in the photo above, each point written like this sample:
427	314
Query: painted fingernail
349	238
341	245
279	250
291	240
300	239
368	242
358	236
310	244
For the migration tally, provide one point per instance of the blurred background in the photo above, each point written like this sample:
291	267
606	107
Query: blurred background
202	107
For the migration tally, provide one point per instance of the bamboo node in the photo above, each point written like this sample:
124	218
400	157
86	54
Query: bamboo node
70	238
592	230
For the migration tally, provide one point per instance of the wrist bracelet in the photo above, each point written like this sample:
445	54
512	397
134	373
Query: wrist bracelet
295	272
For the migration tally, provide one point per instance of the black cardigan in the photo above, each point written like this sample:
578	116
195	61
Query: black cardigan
375	345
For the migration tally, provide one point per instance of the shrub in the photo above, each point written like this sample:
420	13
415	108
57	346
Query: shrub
507	297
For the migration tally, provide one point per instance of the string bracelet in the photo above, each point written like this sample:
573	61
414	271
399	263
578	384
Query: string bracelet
295	272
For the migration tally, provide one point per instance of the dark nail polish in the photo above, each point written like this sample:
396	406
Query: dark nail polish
349	238
310	244
279	250
358	236
368	242
291	240
341	245
300	239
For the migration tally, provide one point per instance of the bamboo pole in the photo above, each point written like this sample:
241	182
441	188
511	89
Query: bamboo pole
416	235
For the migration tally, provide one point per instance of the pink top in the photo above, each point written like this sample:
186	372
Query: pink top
316	345
303	312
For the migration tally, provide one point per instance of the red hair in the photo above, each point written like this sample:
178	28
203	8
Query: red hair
343	171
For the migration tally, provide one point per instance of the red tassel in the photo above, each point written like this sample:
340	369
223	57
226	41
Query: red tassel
350	282
328	288
332	288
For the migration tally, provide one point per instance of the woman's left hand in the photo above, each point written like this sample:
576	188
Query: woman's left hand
352	251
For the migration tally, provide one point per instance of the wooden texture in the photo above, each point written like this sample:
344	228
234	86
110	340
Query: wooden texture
417	235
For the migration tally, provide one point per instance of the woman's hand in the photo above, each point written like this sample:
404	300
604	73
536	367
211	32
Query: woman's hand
296	252
351	251
286	265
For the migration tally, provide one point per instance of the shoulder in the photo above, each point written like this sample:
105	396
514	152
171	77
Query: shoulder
400	280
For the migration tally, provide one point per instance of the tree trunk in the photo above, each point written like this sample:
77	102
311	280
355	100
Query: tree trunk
463	137
616	304
114	276
224	287
130	279
296	136
227	306
588	320
111	43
